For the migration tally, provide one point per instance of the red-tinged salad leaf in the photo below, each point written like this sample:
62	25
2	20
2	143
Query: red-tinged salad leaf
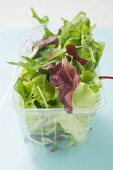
48	41
65	77
43	43
71	50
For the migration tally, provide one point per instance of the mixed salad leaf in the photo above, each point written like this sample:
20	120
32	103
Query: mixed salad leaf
61	72
63	64
65	77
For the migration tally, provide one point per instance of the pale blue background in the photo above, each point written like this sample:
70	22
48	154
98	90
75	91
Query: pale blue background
96	154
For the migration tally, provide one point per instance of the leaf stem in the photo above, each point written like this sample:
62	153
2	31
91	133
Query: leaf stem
106	77
41	94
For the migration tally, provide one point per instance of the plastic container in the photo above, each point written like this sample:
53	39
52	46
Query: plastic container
43	129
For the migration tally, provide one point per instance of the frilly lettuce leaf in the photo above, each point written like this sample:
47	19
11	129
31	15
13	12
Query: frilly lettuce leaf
92	52
79	33
87	76
73	29
84	96
92	79
42	90
36	92
96	85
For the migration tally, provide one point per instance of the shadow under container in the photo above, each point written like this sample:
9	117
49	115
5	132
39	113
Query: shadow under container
53	130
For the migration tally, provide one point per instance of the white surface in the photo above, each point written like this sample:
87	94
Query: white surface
13	12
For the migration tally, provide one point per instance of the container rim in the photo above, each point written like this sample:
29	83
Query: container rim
61	111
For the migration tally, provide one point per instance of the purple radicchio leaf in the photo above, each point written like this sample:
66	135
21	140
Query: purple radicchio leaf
71	50
65	77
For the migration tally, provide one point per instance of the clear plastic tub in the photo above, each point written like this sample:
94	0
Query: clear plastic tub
52	130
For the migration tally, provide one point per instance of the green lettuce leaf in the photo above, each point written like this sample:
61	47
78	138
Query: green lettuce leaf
96	85
31	66
48	33
65	21
85	97
44	19
42	55
36	92
42	90
79	33
55	103
96	51
87	76
58	53
74	29
19	88
92	80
